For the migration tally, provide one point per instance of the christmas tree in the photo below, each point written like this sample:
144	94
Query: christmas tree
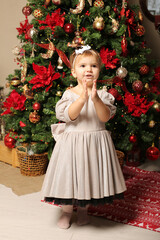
57	27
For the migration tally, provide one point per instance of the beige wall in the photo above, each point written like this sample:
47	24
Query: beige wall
10	17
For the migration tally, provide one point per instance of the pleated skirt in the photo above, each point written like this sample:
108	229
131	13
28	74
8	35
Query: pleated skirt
83	169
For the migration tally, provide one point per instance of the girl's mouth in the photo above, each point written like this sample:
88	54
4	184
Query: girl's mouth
89	76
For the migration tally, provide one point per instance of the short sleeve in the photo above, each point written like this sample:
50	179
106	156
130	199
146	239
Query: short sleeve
108	100
62	107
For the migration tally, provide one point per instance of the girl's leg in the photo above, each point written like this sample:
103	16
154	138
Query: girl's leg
82	215
64	221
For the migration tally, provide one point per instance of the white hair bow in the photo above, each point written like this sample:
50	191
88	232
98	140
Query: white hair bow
82	49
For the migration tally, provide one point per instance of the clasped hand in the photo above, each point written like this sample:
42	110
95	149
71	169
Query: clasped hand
85	95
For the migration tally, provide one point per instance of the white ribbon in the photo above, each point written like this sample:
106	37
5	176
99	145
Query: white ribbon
82	49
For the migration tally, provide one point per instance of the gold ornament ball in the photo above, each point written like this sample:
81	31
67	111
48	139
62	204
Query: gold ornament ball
98	3
156	106
27	92
59	93
146	86
98	23
151	124
15	81
34	117
38	13
121	72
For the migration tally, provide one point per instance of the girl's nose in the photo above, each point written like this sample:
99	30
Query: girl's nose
89	68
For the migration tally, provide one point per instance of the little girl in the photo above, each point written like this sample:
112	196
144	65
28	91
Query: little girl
83	168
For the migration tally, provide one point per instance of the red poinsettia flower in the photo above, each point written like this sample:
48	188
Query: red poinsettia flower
15	101
24	27
108	58
136	105
56	19
44	77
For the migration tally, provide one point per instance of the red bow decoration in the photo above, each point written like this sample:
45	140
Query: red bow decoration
155	83
61	54
130	21
120	82
129	14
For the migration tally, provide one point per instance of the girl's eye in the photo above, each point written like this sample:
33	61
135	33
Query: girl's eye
82	65
94	66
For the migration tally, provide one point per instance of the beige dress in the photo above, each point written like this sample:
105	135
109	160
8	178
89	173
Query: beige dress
83	168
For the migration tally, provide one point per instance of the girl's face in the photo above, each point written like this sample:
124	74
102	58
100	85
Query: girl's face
86	67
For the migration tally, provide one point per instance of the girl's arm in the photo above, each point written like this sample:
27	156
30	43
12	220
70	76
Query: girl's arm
75	108
103	112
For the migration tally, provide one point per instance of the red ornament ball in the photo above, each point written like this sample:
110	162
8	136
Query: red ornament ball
27	10
114	92
137	86
144	70
140	30
69	27
36	106
133	138
152	153
9	141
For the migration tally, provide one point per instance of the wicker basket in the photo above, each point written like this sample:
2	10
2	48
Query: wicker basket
34	165
120	156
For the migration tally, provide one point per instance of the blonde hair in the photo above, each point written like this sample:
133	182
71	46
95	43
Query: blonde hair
86	53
